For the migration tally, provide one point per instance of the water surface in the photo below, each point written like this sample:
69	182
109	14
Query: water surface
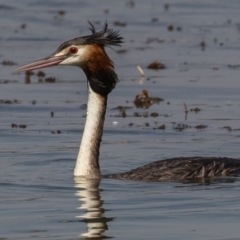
40	198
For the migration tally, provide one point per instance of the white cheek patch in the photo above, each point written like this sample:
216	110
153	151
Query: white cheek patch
74	60
61	53
81	51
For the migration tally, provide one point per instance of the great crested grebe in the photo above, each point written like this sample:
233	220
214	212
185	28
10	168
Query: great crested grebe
89	54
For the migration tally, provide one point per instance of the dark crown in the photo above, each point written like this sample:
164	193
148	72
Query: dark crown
106	37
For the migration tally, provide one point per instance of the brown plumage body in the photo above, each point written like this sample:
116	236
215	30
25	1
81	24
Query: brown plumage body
184	168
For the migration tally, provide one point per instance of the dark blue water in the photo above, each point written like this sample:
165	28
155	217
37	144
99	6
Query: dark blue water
40	198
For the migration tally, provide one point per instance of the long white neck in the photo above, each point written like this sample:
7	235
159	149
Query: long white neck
87	164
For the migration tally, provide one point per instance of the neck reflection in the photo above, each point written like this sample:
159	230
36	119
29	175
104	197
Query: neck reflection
89	195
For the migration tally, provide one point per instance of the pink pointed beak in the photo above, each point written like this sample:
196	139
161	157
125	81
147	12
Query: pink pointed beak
43	63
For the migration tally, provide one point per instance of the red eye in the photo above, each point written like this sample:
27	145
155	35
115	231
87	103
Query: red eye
73	50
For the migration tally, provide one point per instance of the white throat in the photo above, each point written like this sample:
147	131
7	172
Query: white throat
87	164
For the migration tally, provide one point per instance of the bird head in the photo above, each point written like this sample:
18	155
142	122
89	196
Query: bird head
88	53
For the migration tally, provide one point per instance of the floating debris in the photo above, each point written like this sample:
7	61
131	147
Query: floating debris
115	123
156	65
50	79
200	126
142	100
141	71
8	63
166	6
84	106
186	110
7	101
122	110
61	12
23	26
154	114
185	107
130	4
232	66
119	24
157	40
228	128
13	125
196	109
154	19
28	75
7	81
203	45
41	74
170	27
137	114
161	127
180	127
106	11
57	132
122	51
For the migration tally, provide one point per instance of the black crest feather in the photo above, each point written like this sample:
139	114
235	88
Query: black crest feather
106	37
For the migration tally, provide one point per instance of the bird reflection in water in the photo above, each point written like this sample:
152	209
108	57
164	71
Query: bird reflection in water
89	195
